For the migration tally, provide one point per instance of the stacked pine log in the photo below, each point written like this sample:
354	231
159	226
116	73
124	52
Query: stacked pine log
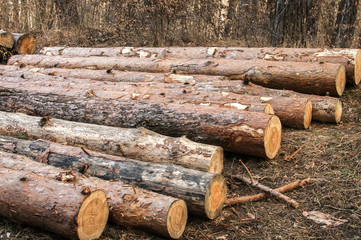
145	128
15	43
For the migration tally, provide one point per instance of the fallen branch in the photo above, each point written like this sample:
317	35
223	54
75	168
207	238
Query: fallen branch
288	158
260	196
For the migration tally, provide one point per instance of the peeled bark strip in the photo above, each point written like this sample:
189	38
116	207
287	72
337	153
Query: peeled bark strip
135	143
130	206
313	78
6	39
24	43
324	109
251	133
49	204
204	193
351	58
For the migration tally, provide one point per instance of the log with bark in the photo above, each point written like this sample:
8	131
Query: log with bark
324	109
204	193
351	58
130	206
315	78
6	39
24	43
135	143
52	205
251	133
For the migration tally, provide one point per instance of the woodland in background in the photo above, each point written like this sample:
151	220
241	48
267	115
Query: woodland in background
249	23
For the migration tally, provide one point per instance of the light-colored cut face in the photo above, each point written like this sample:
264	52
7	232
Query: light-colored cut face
177	219
269	109
216	165
93	216
358	67
272	137
215	196
341	80
338	111
308	114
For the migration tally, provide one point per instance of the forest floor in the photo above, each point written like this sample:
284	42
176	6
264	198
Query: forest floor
330	155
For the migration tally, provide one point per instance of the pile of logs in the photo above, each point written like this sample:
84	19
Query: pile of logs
139	133
15	43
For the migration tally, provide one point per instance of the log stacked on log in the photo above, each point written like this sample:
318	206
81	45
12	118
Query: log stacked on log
53	205
313	78
130	206
135	143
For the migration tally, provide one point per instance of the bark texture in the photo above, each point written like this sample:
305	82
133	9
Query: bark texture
135	143
195	187
313	78
251	133
130	206
52	205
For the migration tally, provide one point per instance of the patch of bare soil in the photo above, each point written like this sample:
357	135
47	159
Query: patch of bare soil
330	155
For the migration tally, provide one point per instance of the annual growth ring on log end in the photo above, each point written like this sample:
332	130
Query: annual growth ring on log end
215	196
177	219
272	137
358	67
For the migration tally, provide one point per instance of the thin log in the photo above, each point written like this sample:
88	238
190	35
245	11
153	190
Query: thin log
135	143
204	193
260	196
312	78
130	206
351	58
271	191
251	133
52	205
6	39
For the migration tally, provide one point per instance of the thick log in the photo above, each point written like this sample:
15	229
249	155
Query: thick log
251	133
6	39
313	78
24	43
52	205
324	109
135	143
130	206
351	58
204	193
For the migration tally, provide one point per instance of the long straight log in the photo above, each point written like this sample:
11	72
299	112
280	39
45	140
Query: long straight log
130	206
52	205
204	193
251	133
313	78
351	58
324	109
135	143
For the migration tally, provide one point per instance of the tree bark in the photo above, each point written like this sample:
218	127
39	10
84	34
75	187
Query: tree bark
313	78
351	58
204	193
135	143
52	205
6	39
324	109
130	206
251	133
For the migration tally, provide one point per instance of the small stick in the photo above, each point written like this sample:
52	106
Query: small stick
260	196
288	158
249	173
271	191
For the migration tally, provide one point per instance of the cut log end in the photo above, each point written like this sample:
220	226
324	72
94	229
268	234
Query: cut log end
93	216
341	80
308	114
26	44
177	219
215	196
272	137
6	39
358	67
338	111
216	165
269	109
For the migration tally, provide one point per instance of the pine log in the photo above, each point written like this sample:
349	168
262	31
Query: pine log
204	193
6	39
24	43
52	205
135	143
251	133
351	58
316	78
130	206
324	109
